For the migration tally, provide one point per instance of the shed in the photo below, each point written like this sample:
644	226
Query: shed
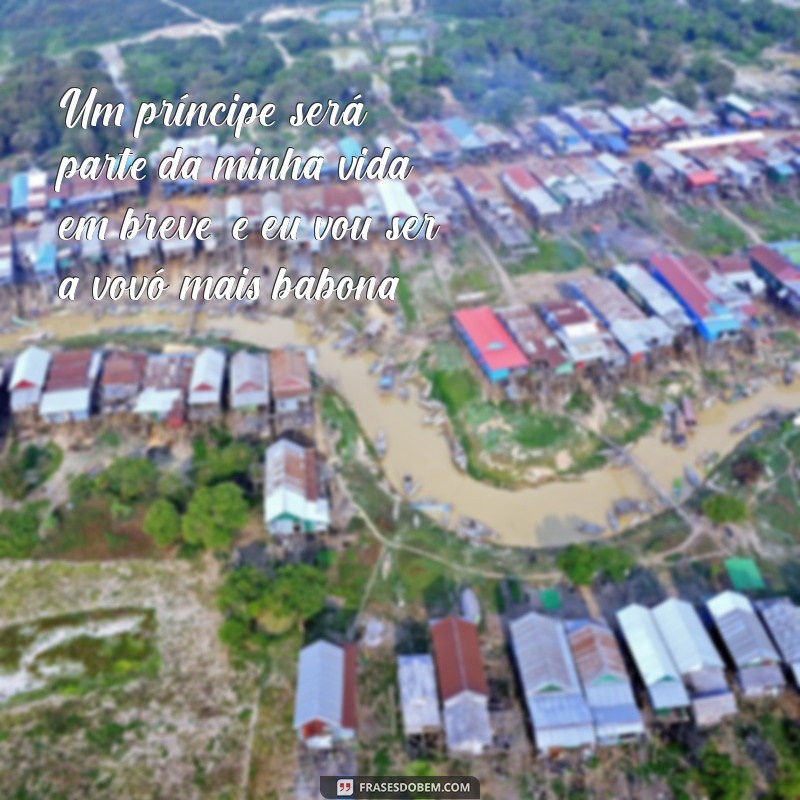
249	381
470	606
558	710
28	379
69	390
419	703
121	380
205	385
744	574
782	618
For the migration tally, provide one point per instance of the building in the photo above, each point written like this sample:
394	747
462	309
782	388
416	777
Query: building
697	660
537	203
560	716
605	681
636	333
677	117
656	668
419	702
782	618
596	127
205	384
325	700
28	380
756	660
7	256
121	381
562	137
650	295
463	689
712	319
738	271
249	381
639	125
541	347
290	386
469	140
293	498
577	330
68	394
743	113
489	343
780	277
165	387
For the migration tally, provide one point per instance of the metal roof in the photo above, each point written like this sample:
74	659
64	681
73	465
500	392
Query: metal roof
30	369
457	653
419	701
656	668
208	372
744	635
467	725
782	618
685	636
249	380
490	338
653	294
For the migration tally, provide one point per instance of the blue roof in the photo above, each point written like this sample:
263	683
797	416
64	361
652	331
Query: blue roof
616	144
463	131
46	260
19	192
350	147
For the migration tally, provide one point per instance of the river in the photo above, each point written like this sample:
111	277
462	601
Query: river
542	516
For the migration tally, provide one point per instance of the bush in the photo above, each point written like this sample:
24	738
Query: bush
582	563
19	530
162	523
724	508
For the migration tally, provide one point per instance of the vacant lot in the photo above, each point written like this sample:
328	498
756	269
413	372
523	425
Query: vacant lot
157	710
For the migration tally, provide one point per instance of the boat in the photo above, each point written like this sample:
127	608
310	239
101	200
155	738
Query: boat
590	528
408	485
692	477
741	427
613	522
687	409
678	429
380	444
788	375
458	454
374	367
386	380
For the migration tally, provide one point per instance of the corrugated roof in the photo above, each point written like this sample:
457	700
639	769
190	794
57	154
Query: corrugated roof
71	369
249	379
289	374
459	665
30	369
419	701
743	633
543	655
685	635
782	618
121	368
596	652
208	372
491	339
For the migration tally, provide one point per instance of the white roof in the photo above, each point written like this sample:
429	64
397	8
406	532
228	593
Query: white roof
396	200
782	617
419	699
66	401
320	684
653	294
158	402
655	666
466	723
31	367
249	375
208	371
745	637
686	638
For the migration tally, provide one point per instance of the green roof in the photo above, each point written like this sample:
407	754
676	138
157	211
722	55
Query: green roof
744	574
551	600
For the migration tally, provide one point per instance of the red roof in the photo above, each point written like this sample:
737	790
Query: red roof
731	265
69	369
685	283
702	178
774	263
457	653
521	177
492	340
349	703
289	374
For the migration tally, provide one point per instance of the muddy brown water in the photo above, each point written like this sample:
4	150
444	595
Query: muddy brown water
546	515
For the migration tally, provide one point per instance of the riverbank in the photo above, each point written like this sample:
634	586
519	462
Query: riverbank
552	514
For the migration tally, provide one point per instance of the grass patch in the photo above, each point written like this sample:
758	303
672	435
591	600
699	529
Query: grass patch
710	233
25	469
551	255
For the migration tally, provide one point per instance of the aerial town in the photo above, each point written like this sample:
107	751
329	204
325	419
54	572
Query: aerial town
534	520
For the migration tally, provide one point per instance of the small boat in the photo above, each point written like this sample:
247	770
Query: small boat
408	485
386	380
741	427
458	454
788	375
380	444
678	429
613	522
687	409
590	528
374	367
692	477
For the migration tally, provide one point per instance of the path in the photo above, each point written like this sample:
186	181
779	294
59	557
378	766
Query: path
749	230
506	283
244	780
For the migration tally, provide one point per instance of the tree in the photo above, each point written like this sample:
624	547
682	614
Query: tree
434	71
724	508
721	778
162	523
747	468
686	92
578	563
213	515
129	479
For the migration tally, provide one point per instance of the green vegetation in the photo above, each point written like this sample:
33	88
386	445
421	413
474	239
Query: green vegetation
724	508
40	27
128	479
721	778
550	255
710	233
19	530
162	523
343	421
213	515
583	563
631	417
25	469
777	221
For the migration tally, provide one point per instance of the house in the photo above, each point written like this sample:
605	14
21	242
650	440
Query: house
7	256
164	388
463	689
541	347
596	127
443	147
121	381
28	380
739	301
577	330
737	270
205	384
397	202
293	498
469	140
558	710
639	125
651	296
697	660
677	117
656	668
537	203
636	333
605	682
499	143
68	394
249	381
782	618
419	702
325	700
712	319
290	386
781	278
562	137
756	660
489	343
743	113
